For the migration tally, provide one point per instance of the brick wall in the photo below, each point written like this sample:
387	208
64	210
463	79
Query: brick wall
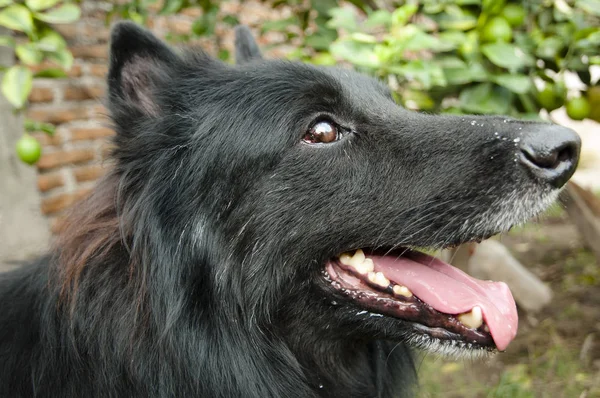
75	157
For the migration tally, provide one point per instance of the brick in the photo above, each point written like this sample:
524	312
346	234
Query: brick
57	203
75	70
106	150
98	70
100	112
68	31
60	158
41	94
98	32
58	116
50	181
92	133
46	139
89	173
94	51
193	12
179	26
80	93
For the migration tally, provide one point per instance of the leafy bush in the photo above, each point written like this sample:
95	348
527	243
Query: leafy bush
40	42
474	56
36	42
458	56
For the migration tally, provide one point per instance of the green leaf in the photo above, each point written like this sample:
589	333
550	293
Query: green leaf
379	18
33	126
62	57
549	47
363	38
402	15
17	17
485	98
321	40
231	20
323	59
342	18
29	54
455	18
466	73
7	41
53	73
64	14
171	7
360	54
417	100
40	5
279	25
492	7
519	84
4	3
51	41
506	55
16	85
205	25
453	38
589	6
426	73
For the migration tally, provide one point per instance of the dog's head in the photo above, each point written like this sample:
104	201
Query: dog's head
293	197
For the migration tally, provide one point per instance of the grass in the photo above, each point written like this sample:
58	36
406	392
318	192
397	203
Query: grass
548	368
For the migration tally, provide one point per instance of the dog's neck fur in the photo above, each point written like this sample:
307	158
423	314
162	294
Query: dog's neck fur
265	361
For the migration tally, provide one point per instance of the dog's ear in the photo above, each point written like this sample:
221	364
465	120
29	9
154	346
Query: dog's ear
246	48
139	63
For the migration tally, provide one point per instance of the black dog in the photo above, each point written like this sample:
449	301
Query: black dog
253	238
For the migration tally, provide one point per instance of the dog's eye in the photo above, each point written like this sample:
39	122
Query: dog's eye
322	132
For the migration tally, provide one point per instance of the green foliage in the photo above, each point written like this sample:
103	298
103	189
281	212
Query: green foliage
34	42
471	56
38	42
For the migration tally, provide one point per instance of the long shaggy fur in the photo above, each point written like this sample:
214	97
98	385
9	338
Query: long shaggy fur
194	269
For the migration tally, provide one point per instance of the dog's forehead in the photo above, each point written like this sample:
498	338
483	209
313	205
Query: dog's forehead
298	77
358	86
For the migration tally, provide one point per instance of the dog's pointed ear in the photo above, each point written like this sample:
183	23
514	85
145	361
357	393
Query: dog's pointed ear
139	63
246	48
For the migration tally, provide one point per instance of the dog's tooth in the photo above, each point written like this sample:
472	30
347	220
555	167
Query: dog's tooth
366	267
472	319
345	258
381	280
402	291
371	276
353	260
357	258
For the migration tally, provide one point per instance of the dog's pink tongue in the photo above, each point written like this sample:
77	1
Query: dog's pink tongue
449	290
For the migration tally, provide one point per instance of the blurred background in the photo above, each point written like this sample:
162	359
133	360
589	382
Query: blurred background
538	59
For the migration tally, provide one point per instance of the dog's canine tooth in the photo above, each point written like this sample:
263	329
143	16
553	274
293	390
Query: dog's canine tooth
381	280
402	291
472	319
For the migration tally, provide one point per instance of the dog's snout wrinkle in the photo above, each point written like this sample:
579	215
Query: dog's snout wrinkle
551	153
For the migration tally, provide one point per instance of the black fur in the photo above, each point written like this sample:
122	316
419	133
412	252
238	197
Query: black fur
195	268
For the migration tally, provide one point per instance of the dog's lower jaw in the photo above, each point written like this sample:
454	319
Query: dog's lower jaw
343	366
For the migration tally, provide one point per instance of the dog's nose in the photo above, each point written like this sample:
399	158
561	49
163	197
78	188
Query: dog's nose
551	152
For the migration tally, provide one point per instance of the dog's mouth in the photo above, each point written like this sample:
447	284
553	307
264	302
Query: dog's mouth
443	304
